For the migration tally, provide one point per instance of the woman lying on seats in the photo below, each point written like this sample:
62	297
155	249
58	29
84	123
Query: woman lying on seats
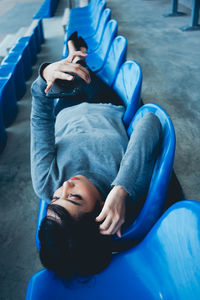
83	164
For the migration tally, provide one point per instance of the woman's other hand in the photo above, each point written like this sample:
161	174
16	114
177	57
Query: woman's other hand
113	212
59	70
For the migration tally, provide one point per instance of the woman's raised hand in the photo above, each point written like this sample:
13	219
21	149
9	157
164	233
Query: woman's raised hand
113	212
59	70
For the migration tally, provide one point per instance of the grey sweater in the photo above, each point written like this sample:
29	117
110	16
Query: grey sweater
90	139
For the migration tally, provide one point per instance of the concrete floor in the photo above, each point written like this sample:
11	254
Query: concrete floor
171	77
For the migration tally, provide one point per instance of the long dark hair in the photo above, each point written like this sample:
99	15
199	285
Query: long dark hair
71	246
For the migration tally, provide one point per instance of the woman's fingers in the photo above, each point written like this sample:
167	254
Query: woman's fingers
64	76
119	233
58	75
106	224
71	57
77	69
82	72
113	227
101	216
49	85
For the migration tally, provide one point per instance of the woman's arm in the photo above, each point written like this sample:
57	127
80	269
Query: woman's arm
42	136
138	162
134	174
43	151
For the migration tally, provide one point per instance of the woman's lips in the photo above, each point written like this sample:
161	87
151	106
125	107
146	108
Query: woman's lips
74	178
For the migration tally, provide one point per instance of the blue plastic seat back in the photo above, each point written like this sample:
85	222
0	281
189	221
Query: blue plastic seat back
40	31
116	57
93	42
128	85
86	16
15	63
157	192
168	257
8	105
41	215
86	10
165	265
87	29
3	134
31	40
24	50
47	9
97	58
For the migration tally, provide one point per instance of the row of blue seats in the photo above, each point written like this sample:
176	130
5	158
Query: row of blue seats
158	267
47	9
15	69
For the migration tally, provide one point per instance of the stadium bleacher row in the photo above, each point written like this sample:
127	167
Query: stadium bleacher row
16	66
47	9
15	69
149	270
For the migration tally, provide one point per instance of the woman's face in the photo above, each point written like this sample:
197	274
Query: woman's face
77	195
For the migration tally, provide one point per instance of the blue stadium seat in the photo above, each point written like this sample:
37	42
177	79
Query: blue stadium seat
116	57
97	58
3	135
165	265
85	18
42	213
14	65
94	41
128	85
87	30
155	199
36	30
77	12
8	105
23	50
47	9
34	38
31	40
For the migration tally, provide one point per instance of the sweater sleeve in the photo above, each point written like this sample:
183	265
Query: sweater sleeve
137	164
42	140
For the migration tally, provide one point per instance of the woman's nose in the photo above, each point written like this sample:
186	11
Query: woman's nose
67	188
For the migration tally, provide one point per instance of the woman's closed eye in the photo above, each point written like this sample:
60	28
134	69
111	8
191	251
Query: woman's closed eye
75	196
70	198
54	199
